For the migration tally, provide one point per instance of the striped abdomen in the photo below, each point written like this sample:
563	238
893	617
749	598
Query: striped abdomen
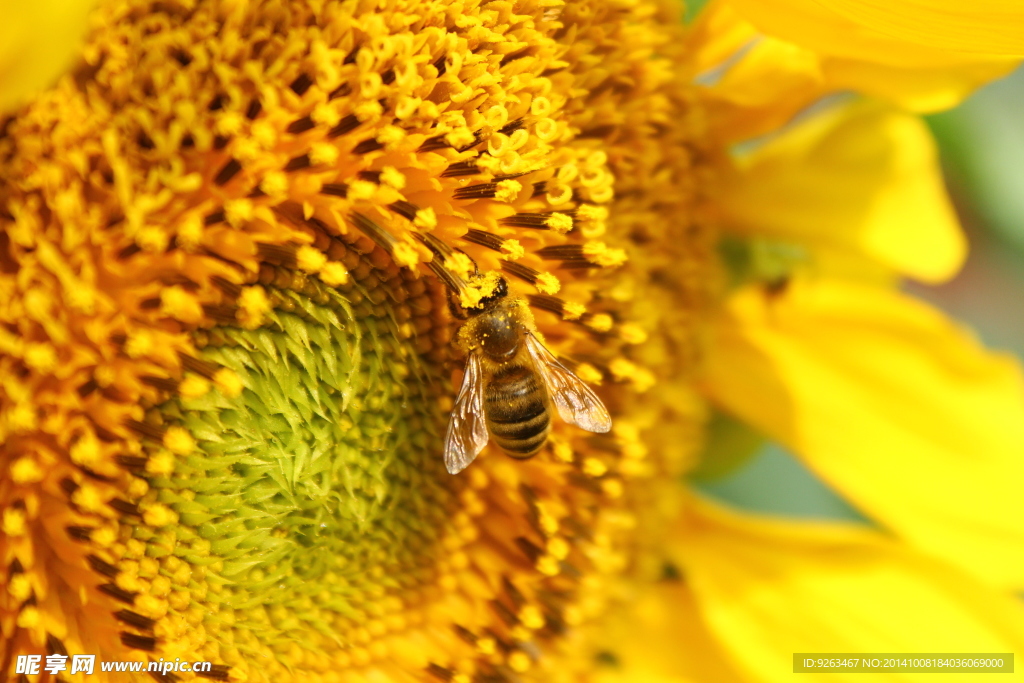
516	408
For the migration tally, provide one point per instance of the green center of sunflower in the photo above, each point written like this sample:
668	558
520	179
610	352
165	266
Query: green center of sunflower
314	497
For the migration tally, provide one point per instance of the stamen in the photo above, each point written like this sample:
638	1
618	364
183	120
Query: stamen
512	126
102	567
335	189
481	191
135	620
131	462
340	91
301	84
200	367
227	172
144	429
301	125
226	286
117	593
124	507
547	302
367	146
161	383
137	642
432	144
381	237
55	646
561	251
522	272
218	672
404	209
461	168
484	238
297	163
346	125
278	253
440	673
254	109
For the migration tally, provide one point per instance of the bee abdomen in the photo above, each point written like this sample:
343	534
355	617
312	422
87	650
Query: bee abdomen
524	439
517	414
527	428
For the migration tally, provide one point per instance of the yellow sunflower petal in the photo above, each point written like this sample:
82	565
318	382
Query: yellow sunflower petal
895	406
771	588
863	179
987	26
751	84
641	640
859	55
920	89
38	41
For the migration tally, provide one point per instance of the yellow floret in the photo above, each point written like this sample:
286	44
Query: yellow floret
547	284
508	190
178	440
559	222
310	259
512	250
228	381
334	274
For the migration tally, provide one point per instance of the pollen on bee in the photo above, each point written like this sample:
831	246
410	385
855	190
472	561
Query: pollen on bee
459	264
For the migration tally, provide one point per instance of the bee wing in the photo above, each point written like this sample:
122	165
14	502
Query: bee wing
467	431
577	404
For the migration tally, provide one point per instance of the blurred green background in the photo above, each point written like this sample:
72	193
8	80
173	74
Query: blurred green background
982	148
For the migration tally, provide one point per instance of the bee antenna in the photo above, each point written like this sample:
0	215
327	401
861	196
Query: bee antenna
441	252
439	247
476	268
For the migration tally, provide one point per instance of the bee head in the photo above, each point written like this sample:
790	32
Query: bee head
498	290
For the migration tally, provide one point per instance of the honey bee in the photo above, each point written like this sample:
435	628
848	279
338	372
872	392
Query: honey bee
511	382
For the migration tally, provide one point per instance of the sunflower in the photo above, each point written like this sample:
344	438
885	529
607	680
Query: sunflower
228	361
